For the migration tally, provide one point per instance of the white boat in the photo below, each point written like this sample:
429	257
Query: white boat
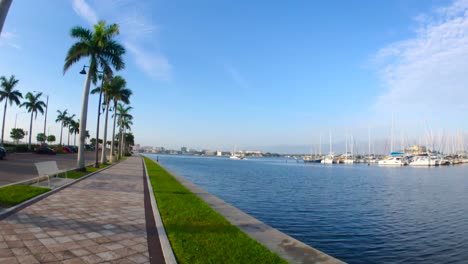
393	161
424	161
348	157
329	159
235	156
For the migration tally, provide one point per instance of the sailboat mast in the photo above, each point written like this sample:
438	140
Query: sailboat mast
391	137
368	134
346	145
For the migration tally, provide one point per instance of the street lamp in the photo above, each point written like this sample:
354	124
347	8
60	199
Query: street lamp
16	117
83	71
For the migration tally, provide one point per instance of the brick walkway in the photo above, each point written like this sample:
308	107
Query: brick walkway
98	220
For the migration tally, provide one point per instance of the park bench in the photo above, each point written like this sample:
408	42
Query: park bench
47	169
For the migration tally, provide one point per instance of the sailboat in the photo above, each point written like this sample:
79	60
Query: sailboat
330	158
349	158
395	158
234	156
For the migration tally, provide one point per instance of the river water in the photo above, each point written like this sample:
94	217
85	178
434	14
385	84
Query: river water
356	213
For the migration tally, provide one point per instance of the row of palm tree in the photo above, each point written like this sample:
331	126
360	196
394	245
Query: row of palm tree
105	55
33	103
69	122
116	92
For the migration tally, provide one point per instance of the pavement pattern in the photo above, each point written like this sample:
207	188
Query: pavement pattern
98	220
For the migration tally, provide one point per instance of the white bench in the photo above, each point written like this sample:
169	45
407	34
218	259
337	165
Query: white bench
47	169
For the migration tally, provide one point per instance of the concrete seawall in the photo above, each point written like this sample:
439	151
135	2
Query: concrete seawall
288	248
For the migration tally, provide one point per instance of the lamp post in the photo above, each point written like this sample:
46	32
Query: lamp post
16	117
83	71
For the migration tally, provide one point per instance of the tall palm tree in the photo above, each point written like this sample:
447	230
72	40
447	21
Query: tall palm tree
115	90
9	95
118	93
66	123
61	117
123	113
33	105
125	123
74	128
103	51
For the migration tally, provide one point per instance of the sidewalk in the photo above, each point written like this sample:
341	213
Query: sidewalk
98	220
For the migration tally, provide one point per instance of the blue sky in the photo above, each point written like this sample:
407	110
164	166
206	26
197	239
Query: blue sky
256	74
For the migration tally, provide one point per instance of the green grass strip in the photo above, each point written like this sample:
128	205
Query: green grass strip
198	234
16	194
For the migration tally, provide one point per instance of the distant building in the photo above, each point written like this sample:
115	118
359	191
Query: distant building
184	149
219	153
208	152
415	150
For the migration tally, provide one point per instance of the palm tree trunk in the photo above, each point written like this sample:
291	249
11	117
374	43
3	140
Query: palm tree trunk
80	162
61	131
120	139
30	131
113	133
104	137
4	114
68	137
4	6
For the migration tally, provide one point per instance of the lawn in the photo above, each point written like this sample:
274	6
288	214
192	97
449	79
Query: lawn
15	194
79	174
197	233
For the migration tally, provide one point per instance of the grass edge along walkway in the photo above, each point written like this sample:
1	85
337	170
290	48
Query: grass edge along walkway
197	233
16	194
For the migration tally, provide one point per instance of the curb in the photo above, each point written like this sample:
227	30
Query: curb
36	199
165	244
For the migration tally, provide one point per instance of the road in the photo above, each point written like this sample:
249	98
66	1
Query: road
20	166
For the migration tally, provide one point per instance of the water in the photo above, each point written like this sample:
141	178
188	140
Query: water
357	213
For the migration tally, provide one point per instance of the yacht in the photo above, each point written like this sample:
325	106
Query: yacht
424	161
394	159
329	159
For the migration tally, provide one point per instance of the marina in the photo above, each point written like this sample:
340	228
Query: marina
357	213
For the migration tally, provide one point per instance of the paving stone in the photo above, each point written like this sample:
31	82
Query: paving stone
29	259
98	220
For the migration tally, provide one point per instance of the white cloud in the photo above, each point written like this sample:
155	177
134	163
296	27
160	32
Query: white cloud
154	64
236	76
9	39
85	11
137	31
431	69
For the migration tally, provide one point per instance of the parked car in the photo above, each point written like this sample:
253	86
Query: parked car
2	153
45	150
67	150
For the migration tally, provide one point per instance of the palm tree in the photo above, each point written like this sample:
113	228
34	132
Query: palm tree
115	90
9	95
33	105
125	123
74	128
66	123
103	51
123	113
61	117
